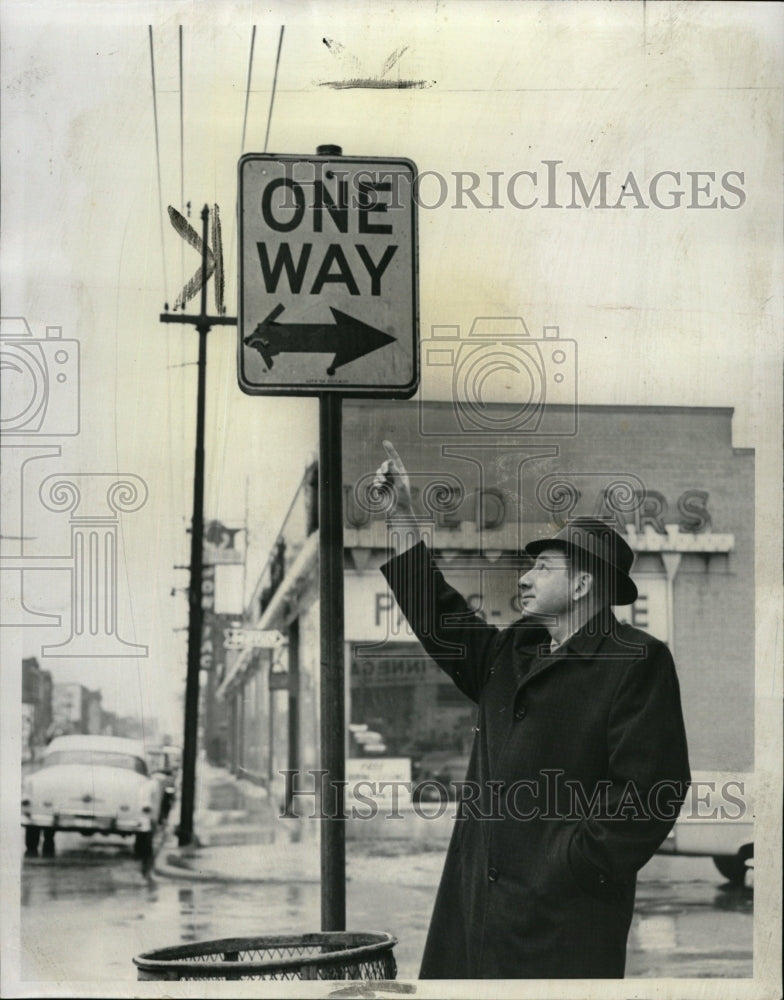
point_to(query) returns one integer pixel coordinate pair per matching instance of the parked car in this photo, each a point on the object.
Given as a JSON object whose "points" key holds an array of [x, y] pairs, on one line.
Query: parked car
{"points": [[91, 784], [717, 821]]}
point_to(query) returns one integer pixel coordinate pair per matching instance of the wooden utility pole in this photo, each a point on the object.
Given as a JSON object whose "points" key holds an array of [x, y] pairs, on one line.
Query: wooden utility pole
{"points": [[203, 323]]}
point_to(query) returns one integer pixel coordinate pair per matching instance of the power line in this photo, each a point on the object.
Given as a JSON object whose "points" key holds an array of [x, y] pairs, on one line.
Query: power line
{"points": [[244, 127], [247, 89], [182, 136], [158, 161], [161, 214], [274, 87]]}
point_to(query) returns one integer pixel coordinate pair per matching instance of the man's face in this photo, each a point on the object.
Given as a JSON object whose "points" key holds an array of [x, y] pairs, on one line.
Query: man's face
{"points": [[546, 588]]}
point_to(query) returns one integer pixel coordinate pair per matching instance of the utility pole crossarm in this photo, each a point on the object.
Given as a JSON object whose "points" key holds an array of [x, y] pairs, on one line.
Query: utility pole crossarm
{"points": [[198, 321]]}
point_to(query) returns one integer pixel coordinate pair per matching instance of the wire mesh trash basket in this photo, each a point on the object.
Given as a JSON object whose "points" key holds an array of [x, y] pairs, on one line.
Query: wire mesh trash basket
{"points": [[323, 955]]}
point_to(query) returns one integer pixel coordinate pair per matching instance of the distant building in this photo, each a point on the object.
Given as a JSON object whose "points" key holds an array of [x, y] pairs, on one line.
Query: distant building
{"points": [[213, 713], [36, 707], [69, 708], [93, 721], [271, 695], [109, 724], [133, 729]]}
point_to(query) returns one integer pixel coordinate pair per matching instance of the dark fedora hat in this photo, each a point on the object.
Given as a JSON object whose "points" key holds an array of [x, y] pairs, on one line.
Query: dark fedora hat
{"points": [[600, 549]]}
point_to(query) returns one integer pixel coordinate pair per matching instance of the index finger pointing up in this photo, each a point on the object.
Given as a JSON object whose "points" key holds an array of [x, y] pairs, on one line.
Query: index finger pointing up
{"points": [[389, 448]]}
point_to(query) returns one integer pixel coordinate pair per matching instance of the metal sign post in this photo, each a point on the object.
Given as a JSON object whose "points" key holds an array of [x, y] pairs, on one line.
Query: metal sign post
{"points": [[333, 712], [328, 307]]}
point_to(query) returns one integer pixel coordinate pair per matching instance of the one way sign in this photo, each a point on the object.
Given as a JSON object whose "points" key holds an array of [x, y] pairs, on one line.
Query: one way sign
{"points": [[328, 276]]}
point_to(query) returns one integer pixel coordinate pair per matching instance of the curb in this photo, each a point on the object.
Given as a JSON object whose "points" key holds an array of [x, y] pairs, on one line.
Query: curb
{"points": [[184, 871], [205, 875]]}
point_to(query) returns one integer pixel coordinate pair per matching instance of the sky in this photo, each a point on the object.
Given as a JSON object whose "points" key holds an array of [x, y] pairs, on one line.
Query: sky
{"points": [[671, 298]]}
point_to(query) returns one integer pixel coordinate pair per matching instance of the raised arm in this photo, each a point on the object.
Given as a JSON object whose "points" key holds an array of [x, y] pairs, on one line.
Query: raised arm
{"points": [[459, 641], [392, 474]]}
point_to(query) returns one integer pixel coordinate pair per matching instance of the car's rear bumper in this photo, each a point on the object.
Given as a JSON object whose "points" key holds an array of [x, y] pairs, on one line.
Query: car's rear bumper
{"points": [[708, 837], [83, 822]]}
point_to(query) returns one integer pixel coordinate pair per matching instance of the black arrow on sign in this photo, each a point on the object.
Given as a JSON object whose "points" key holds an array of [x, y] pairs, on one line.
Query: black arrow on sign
{"points": [[347, 337]]}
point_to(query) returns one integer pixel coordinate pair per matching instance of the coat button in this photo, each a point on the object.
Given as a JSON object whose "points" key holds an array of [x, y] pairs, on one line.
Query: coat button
{"points": [[520, 712], [492, 874]]}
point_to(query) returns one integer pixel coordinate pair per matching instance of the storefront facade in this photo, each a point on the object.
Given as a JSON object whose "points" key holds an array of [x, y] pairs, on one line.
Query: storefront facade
{"points": [[670, 479]]}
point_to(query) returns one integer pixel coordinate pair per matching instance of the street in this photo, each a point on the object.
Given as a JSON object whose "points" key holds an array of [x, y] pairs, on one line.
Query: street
{"points": [[89, 910]]}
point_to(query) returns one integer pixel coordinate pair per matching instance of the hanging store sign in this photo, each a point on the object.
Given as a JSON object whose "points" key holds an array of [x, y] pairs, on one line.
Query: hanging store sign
{"points": [[252, 638]]}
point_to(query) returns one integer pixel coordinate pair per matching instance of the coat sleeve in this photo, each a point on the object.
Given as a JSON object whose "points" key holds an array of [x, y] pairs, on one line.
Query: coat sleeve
{"points": [[459, 641], [648, 776]]}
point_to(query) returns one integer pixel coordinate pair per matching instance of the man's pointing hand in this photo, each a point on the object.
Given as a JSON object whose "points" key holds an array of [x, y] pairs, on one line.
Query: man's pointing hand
{"points": [[393, 473]]}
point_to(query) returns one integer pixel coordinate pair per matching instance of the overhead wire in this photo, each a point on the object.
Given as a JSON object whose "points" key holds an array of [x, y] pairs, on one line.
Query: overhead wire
{"points": [[247, 89], [169, 365], [182, 134], [274, 87], [121, 561], [176, 427], [247, 105], [183, 204], [217, 248], [158, 160], [248, 85], [248, 82]]}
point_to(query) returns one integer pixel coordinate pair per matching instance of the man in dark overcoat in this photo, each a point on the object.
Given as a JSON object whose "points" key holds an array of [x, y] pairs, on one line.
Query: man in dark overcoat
{"points": [[579, 763]]}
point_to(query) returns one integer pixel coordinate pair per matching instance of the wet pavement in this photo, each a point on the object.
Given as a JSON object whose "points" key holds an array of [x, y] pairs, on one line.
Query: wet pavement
{"points": [[88, 911], [690, 922]]}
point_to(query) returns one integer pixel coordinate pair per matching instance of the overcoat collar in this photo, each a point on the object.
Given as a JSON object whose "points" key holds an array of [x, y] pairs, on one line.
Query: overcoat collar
{"points": [[532, 642]]}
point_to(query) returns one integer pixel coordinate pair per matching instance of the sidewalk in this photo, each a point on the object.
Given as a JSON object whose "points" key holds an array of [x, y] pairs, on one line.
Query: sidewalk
{"points": [[238, 837], [241, 838]]}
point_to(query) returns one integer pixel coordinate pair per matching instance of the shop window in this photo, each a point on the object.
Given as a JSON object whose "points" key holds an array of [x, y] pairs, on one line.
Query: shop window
{"points": [[404, 701], [447, 695]]}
